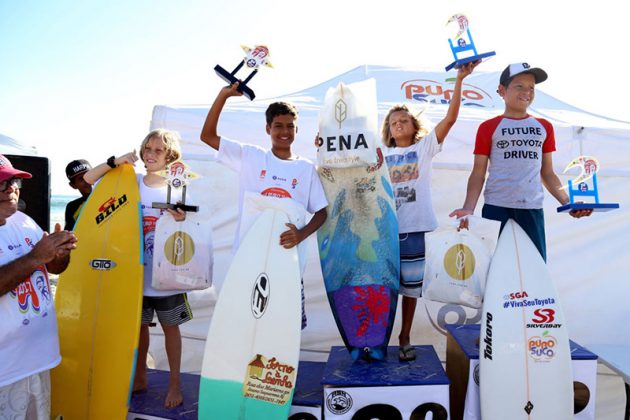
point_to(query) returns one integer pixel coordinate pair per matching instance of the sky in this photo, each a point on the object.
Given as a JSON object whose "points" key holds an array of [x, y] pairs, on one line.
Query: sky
{"points": [[79, 79]]}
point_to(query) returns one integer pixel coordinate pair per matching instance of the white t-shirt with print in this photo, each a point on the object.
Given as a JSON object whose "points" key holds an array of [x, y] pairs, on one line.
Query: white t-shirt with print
{"points": [[410, 173], [28, 324], [150, 216], [260, 171]]}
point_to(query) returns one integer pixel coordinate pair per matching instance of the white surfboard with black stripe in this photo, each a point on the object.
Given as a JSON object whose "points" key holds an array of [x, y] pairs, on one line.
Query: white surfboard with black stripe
{"points": [[252, 350], [524, 355]]}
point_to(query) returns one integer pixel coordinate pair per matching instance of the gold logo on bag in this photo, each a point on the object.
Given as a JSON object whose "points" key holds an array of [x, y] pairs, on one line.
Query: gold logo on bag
{"points": [[459, 262], [341, 111], [179, 248]]}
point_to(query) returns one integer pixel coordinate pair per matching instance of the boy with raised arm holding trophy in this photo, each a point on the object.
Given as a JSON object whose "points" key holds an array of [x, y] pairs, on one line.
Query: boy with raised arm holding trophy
{"points": [[277, 172]]}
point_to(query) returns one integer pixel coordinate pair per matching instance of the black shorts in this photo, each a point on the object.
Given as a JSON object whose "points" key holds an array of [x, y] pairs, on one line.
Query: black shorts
{"points": [[171, 310]]}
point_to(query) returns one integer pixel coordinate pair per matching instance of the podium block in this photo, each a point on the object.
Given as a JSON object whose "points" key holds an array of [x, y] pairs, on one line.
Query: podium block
{"points": [[462, 368], [308, 395], [387, 389], [149, 405]]}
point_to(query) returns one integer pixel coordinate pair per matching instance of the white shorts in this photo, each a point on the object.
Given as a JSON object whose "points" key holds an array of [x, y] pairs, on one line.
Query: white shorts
{"points": [[27, 399]]}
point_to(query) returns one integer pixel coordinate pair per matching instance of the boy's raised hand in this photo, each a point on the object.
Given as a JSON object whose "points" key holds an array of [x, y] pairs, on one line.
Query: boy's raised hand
{"points": [[467, 69], [231, 90], [131, 158]]}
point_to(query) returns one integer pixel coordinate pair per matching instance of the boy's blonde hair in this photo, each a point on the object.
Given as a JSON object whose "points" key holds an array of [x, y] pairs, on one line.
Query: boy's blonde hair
{"points": [[420, 123], [169, 138]]}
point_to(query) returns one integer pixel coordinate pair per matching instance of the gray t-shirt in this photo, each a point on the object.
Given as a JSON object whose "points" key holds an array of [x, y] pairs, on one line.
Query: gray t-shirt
{"points": [[515, 148]]}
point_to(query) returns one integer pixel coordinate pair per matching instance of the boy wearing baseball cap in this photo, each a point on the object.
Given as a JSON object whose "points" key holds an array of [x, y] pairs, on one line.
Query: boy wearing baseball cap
{"points": [[515, 149], [75, 171]]}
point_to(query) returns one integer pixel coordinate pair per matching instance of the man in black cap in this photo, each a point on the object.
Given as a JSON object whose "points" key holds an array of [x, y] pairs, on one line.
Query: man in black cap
{"points": [[74, 172]]}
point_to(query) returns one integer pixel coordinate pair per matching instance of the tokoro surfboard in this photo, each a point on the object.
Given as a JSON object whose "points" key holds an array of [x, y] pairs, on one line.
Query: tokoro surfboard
{"points": [[98, 302], [359, 256], [524, 355], [252, 351]]}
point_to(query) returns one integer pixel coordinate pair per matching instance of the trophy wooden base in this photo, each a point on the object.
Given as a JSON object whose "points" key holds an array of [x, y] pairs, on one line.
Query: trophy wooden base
{"points": [[598, 207], [230, 78], [460, 62], [184, 207]]}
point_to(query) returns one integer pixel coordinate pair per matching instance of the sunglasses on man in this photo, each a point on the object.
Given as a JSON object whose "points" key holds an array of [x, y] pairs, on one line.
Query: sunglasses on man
{"points": [[16, 182]]}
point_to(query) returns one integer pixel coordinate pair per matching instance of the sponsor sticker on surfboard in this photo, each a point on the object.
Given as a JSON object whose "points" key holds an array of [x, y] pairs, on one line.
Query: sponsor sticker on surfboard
{"points": [[269, 380], [102, 264]]}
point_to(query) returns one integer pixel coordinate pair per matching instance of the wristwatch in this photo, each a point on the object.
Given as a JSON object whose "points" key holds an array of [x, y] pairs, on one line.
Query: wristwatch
{"points": [[111, 161]]}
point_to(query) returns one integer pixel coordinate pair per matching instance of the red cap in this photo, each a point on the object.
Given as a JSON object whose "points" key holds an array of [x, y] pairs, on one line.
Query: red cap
{"points": [[7, 170]]}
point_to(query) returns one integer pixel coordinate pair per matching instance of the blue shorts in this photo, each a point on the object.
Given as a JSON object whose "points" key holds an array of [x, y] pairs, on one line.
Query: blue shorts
{"points": [[531, 220], [411, 263]]}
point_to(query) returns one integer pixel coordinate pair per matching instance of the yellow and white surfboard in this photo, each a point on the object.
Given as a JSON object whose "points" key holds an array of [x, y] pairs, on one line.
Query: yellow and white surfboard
{"points": [[98, 302]]}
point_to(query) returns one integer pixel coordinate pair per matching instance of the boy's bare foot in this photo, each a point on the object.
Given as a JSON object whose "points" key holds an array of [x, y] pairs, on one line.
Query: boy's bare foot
{"points": [[174, 397], [140, 384]]}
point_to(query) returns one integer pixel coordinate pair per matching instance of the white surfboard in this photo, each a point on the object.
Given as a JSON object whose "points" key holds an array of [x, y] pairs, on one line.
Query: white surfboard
{"points": [[252, 350], [524, 355]]}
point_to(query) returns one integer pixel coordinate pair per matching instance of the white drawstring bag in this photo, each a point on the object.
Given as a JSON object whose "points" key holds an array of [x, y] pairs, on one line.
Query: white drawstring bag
{"points": [[348, 129], [183, 253], [457, 262]]}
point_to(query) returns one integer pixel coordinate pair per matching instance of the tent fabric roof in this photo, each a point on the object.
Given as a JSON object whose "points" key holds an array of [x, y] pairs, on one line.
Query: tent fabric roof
{"points": [[577, 132], [9, 146]]}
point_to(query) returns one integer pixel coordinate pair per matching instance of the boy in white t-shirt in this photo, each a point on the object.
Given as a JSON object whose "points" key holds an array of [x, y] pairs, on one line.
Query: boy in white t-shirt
{"points": [[158, 149], [409, 150], [515, 149], [276, 172]]}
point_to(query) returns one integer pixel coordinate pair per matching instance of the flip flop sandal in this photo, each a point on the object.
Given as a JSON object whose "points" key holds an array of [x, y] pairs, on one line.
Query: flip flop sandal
{"points": [[406, 353]]}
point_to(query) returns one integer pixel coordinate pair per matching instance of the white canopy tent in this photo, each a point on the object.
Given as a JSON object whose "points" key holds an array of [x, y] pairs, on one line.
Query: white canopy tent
{"points": [[9, 146], [587, 257]]}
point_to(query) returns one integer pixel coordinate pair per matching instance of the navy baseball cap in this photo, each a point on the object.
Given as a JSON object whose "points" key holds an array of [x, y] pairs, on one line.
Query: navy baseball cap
{"points": [[77, 167]]}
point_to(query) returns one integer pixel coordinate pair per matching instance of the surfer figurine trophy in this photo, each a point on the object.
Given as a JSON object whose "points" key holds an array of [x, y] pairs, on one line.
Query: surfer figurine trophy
{"points": [[461, 46], [254, 58], [177, 176], [585, 185]]}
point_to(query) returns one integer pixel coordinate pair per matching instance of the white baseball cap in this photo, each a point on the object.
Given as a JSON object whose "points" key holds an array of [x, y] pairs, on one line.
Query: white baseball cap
{"points": [[517, 68]]}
